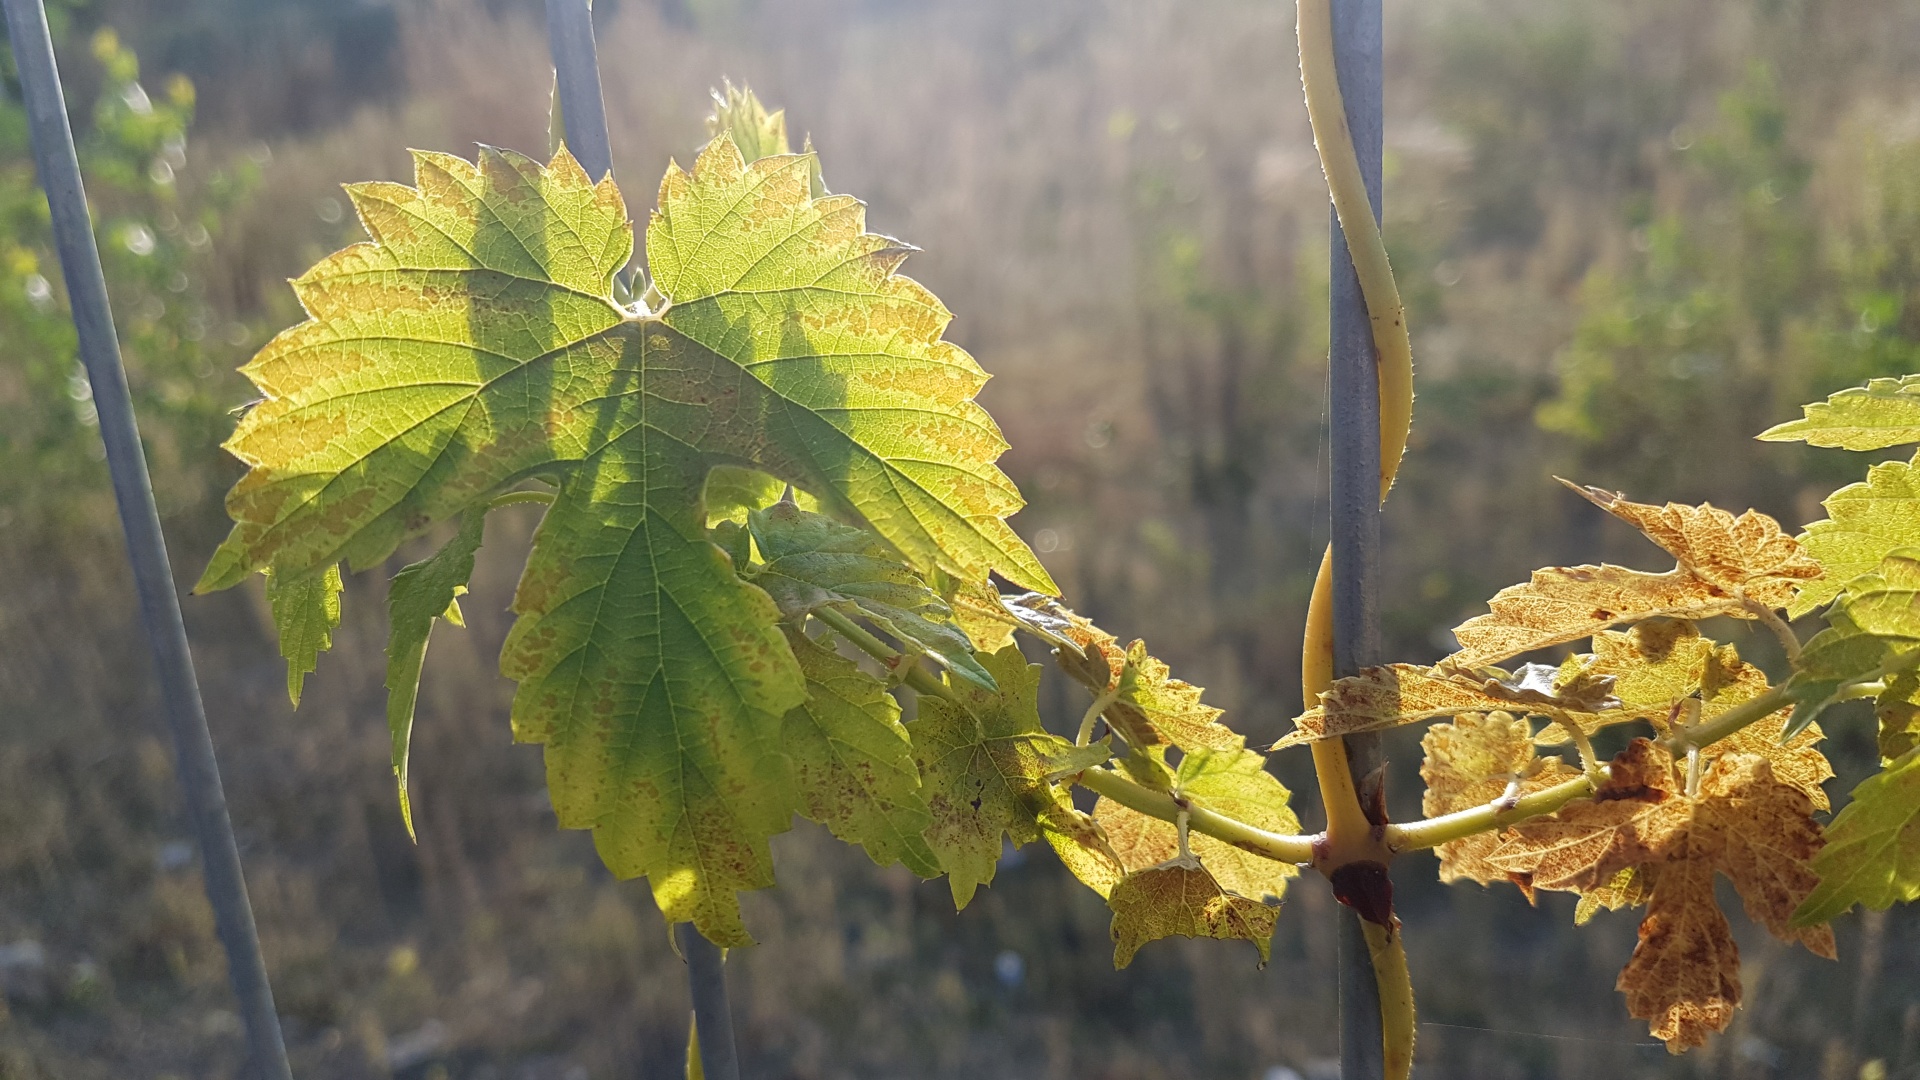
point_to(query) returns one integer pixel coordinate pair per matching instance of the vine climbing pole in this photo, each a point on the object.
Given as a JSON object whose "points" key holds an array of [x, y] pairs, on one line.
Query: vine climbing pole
{"points": [[199, 772], [1371, 381], [580, 117]]}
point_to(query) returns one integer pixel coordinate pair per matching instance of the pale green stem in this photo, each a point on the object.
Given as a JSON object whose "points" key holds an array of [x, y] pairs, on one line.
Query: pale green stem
{"points": [[1162, 805], [1747, 712], [1418, 835], [1092, 716]]}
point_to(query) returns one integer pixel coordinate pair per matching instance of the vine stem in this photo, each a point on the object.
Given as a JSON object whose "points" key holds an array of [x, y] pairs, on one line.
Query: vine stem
{"points": [[1159, 804], [198, 770]]}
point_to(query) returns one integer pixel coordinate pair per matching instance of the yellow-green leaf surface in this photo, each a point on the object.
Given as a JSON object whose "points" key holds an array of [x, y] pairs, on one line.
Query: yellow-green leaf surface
{"points": [[1874, 624], [421, 593], [1883, 413], [1235, 783], [852, 762], [813, 561], [476, 340], [1181, 899], [306, 611], [1872, 855], [983, 765], [1864, 522]]}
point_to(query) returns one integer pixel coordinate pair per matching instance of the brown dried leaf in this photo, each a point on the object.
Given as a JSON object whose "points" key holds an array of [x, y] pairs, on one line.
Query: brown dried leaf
{"points": [[1566, 603], [1471, 762], [1583, 845], [1684, 977], [1744, 823], [1180, 898], [1746, 554], [1798, 763], [1392, 695]]}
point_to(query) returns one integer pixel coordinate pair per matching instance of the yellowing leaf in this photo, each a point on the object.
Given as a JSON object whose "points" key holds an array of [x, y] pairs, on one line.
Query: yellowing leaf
{"points": [[1083, 846], [853, 765], [1566, 603], [983, 769], [1883, 413], [1875, 622], [1146, 706], [813, 561], [306, 611], [1748, 554], [1872, 855], [421, 593], [1760, 833], [1396, 694], [1181, 899], [1628, 888], [978, 612], [1898, 711], [1684, 976], [1230, 782], [1473, 761], [1797, 762], [1865, 523]]}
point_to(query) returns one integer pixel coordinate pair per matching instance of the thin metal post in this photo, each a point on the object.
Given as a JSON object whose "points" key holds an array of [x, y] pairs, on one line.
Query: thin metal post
{"points": [[206, 804], [712, 1019], [1356, 498], [576, 69]]}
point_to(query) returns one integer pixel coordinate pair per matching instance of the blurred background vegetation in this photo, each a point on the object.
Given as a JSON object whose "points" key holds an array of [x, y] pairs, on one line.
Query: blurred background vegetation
{"points": [[1632, 233]]}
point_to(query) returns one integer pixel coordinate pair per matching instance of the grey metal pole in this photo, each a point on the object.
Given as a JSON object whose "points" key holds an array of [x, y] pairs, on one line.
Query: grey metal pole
{"points": [[713, 1020], [200, 787], [576, 69], [1355, 390]]}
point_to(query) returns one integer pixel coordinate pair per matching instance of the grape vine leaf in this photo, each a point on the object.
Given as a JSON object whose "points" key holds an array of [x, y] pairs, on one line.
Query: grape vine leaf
{"points": [[1865, 523], [1559, 604], [853, 764], [978, 611], [1180, 898], [1395, 694], [813, 562], [1474, 760], [1872, 855], [420, 594], [733, 491], [306, 611], [476, 340], [1654, 666], [983, 763], [738, 113], [1628, 888], [1235, 783], [1796, 760], [1873, 626], [1883, 413], [1757, 831], [1748, 554], [1144, 703], [1083, 846], [1897, 709]]}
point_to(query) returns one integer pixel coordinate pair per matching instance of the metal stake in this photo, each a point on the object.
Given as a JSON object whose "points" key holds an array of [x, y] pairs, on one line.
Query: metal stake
{"points": [[576, 69], [200, 788], [1355, 392]]}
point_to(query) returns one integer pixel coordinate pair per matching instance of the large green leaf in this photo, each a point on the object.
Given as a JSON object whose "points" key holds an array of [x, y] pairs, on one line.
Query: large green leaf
{"points": [[477, 341], [1864, 522], [1883, 413], [420, 594], [1872, 855], [306, 612], [852, 761], [985, 761], [813, 562]]}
